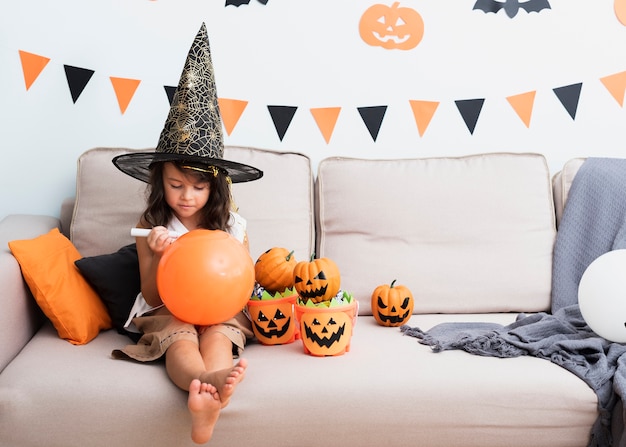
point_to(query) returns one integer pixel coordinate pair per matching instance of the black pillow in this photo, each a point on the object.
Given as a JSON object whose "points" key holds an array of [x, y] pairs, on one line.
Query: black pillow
{"points": [[115, 278]]}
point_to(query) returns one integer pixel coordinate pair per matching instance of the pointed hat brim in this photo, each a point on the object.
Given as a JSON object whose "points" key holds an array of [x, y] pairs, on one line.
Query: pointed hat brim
{"points": [[193, 129], [138, 165]]}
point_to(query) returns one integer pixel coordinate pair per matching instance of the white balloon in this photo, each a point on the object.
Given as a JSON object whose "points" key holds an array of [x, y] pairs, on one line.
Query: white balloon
{"points": [[602, 296]]}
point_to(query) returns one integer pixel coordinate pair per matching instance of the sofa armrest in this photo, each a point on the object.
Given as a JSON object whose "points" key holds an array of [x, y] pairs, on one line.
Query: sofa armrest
{"points": [[20, 317]]}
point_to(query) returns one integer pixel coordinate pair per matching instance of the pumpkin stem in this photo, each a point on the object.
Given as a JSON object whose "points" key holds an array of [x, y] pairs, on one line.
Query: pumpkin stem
{"points": [[312, 257], [392, 283], [289, 256]]}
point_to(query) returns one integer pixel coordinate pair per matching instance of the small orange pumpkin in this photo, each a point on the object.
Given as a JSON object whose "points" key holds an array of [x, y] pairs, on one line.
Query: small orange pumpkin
{"points": [[391, 27], [317, 280], [392, 305], [274, 269]]}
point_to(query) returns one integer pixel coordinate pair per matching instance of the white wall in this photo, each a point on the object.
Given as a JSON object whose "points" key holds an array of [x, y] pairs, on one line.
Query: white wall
{"points": [[306, 54]]}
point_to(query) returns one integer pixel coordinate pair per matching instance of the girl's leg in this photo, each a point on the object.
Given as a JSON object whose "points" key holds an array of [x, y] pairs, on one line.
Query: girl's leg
{"points": [[184, 363], [216, 351], [204, 406], [185, 366]]}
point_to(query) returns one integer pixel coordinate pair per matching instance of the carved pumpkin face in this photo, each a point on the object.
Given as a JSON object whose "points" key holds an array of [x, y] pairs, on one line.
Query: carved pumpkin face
{"points": [[391, 27], [274, 269], [392, 305], [326, 333], [273, 320], [318, 280]]}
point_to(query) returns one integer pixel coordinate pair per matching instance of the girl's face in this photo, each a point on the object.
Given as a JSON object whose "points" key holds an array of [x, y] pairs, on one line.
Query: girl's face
{"points": [[184, 194]]}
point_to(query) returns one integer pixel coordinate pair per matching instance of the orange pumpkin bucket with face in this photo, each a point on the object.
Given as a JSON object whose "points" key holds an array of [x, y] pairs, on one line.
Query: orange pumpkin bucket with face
{"points": [[273, 321], [326, 331]]}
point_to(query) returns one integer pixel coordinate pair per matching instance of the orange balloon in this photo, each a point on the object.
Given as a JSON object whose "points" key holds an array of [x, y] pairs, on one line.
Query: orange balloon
{"points": [[205, 277]]}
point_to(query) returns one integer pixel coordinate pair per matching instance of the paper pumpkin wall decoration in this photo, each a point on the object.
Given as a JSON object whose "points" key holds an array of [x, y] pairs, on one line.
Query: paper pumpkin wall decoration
{"points": [[274, 269], [317, 280], [392, 305], [391, 27], [620, 10]]}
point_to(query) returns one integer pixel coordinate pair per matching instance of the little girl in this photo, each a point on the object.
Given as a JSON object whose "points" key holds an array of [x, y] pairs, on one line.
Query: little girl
{"points": [[189, 188], [184, 196]]}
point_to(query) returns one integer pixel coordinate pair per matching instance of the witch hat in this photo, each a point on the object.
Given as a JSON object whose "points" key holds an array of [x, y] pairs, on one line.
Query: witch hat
{"points": [[193, 129]]}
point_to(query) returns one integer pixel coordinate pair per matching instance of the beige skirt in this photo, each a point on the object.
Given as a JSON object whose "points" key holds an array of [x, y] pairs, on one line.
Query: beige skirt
{"points": [[162, 329]]}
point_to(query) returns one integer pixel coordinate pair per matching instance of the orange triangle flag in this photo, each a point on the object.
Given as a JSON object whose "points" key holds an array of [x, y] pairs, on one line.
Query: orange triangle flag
{"points": [[231, 110], [32, 65], [616, 85], [523, 105], [124, 90], [423, 112], [326, 118]]}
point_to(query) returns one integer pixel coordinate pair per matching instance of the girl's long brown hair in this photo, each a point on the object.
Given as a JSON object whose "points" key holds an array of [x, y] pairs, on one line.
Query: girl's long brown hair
{"points": [[216, 212]]}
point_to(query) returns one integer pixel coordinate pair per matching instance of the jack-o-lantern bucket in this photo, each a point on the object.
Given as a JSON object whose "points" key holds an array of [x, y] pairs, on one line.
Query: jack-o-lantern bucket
{"points": [[326, 331], [273, 320]]}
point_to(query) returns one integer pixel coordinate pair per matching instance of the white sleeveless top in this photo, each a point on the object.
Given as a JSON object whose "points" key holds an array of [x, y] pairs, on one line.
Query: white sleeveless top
{"points": [[141, 307]]}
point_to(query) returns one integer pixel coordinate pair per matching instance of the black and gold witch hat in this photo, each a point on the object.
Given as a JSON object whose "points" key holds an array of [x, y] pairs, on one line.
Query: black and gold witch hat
{"points": [[193, 130]]}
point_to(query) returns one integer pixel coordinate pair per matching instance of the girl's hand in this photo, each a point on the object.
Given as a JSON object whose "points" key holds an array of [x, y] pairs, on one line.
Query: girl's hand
{"points": [[159, 239]]}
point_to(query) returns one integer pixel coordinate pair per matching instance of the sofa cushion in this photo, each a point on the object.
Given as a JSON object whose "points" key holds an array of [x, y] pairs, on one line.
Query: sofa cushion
{"points": [[388, 390], [465, 234], [109, 203], [561, 184], [115, 277], [64, 296]]}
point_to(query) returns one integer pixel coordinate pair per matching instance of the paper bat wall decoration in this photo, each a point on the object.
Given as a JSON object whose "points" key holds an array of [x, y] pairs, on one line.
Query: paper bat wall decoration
{"points": [[243, 2], [511, 7]]}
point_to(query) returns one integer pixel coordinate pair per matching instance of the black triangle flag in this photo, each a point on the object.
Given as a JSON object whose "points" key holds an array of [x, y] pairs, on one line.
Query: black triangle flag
{"points": [[373, 118], [569, 96], [170, 91], [77, 79], [470, 111], [282, 116]]}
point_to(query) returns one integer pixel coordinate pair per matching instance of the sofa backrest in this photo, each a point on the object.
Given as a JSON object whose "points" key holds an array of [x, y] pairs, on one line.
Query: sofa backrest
{"points": [[466, 234], [278, 207], [561, 184]]}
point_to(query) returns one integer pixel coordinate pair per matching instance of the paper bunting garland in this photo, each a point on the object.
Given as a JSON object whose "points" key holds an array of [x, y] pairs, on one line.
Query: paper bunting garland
{"points": [[231, 110], [569, 96], [282, 116], [523, 105], [470, 111], [423, 112], [32, 65], [616, 85], [373, 118], [170, 91], [124, 90], [325, 117], [77, 79]]}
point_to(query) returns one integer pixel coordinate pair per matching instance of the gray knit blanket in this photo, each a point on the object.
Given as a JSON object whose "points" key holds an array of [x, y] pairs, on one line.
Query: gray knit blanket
{"points": [[593, 223]]}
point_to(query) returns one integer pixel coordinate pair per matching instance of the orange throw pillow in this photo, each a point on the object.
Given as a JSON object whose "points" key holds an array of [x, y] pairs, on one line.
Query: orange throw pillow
{"points": [[62, 293]]}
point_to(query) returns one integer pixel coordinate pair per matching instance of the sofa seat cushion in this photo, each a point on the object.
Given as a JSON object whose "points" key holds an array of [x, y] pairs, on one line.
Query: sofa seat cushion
{"points": [[466, 234], [387, 390]]}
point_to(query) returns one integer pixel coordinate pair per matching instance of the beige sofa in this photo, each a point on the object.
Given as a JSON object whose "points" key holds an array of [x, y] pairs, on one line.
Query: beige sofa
{"points": [[472, 237]]}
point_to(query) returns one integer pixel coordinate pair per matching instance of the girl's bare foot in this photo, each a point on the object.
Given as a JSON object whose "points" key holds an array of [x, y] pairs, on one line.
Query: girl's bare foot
{"points": [[225, 380], [204, 405]]}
